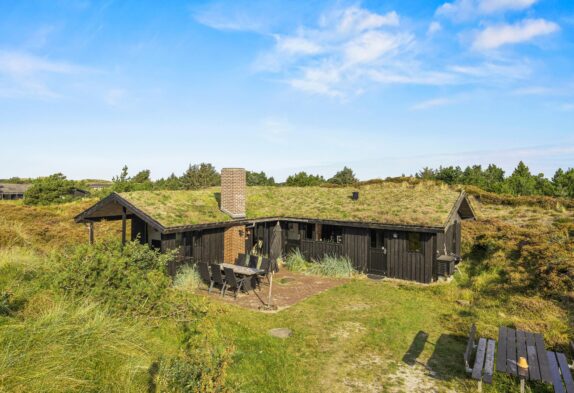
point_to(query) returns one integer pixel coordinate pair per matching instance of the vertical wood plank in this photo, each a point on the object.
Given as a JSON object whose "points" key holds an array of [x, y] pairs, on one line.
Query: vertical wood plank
{"points": [[123, 225], [501, 356]]}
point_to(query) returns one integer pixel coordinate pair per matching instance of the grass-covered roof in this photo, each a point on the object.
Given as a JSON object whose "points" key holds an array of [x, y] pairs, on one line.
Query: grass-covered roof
{"points": [[386, 203]]}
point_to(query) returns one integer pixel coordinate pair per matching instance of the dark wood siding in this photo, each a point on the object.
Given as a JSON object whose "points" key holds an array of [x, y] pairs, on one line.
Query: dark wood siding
{"points": [[416, 266], [212, 245], [356, 246], [139, 227], [316, 250], [168, 242]]}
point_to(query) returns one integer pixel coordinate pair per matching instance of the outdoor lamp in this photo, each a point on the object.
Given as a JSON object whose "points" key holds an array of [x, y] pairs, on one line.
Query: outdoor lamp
{"points": [[522, 371]]}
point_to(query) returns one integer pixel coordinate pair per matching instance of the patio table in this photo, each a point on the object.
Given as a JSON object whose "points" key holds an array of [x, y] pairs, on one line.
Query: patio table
{"points": [[514, 344], [243, 270]]}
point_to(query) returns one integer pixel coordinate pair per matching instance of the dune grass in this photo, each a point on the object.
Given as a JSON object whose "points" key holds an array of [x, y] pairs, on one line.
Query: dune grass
{"points": [[328, 266], [66, 347]]}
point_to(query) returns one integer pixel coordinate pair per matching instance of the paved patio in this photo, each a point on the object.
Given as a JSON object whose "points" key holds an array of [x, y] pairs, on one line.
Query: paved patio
{"points": [[288, 288]]}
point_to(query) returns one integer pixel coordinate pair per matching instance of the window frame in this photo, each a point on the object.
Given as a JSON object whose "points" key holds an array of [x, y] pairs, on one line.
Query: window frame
{"points": [[417, 239]]}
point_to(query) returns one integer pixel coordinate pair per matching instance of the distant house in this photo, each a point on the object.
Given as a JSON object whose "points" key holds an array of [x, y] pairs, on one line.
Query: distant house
{"points": [[99, 186], [395, 230], [9, 191]]}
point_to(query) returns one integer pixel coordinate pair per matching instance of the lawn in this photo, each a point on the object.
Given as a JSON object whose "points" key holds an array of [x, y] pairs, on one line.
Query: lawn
{"points": [[361, 336]]}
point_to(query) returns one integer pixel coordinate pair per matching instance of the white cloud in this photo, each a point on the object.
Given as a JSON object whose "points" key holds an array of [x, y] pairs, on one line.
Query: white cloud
{"points": [[461, 10], [433, 103], [297, 45], [493, 37], [434, 27], [355, 19], [371, 45], [490, 70], [25, 74], [491, 6], [338, 56], [16, 63]]}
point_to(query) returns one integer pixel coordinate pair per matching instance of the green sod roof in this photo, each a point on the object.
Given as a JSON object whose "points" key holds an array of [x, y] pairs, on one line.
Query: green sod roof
{"points": [[386, 203]]}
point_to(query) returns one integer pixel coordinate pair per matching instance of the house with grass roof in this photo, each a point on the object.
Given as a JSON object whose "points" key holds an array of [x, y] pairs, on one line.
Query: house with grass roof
{"points": [[397, 230]]}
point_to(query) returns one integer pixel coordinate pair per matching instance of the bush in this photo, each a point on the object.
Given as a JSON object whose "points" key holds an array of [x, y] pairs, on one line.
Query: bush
{"points": [[328, 266], [201, 364], [52, 189], [529, 259], [131, 278]]}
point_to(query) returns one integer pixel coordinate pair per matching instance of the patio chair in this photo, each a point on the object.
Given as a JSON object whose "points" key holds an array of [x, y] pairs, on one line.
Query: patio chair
{"points": [[218, 277], [233, 282], [265, 264], [253, 261], [240, 260], [205, 275]]}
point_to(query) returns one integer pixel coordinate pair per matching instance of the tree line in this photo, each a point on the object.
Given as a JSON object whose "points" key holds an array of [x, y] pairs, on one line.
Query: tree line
{"points": [[57, 188], [492, 178]]}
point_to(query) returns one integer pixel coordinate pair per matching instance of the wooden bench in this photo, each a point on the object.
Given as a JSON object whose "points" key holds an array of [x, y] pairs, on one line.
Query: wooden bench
{"points": [[560, 372], [483, 365]]}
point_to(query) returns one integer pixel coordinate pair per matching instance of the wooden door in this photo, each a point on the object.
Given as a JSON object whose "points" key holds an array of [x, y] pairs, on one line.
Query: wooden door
{"points": [[378, 253]]}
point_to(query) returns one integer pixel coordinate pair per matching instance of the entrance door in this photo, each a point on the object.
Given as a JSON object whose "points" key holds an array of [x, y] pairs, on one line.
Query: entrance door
{"points": [[377, 253]]}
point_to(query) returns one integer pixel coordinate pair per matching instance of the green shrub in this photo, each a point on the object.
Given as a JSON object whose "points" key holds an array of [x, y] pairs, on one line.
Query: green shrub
{"points": [[128, 278], [201, 364], [62, 347], [51, 189]]}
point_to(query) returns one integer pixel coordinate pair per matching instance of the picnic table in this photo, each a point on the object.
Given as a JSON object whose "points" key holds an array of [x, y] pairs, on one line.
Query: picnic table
{"points": [[242, 270], [514, 344]]}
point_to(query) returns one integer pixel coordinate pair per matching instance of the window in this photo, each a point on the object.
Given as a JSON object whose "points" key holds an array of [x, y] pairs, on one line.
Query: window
{"points": [[293, 231], [332, 233], [308, 229], [414, 242], [377, 239]]}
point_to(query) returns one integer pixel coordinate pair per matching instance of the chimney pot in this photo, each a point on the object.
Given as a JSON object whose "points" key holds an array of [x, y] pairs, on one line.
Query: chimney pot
{"points": [[233, 192]]}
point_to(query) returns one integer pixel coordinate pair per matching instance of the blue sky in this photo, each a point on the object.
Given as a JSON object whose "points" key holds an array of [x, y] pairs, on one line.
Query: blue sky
{"points": [[385, 87]]}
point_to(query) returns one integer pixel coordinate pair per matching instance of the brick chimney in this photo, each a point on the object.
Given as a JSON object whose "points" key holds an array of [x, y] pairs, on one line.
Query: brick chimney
{"points": [[233, 192]]}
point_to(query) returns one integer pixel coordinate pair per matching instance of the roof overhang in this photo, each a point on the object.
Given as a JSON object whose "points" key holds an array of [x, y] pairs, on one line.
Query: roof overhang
{"points": [[111, 208], [463, 207]]}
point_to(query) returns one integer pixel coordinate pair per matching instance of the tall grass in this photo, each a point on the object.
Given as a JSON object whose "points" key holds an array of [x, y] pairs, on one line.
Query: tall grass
{"points": [[66, 347], [188, 278], [328, 266]]}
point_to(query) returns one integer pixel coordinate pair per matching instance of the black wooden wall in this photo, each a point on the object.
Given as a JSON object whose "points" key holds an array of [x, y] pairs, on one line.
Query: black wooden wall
{"points": [[212, 245], [406, 265], [139, 227], [356, 243]]}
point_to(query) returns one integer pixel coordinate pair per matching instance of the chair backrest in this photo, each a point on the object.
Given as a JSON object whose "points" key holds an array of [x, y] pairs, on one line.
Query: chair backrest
{"points": [[253, 260], [204, 271], [216, 274], [265, 265], [230, 277], [240, 260]]}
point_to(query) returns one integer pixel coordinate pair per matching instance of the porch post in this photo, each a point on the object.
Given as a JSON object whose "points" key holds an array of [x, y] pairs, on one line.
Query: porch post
{"points": [[91, 232], [123, 226]]}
